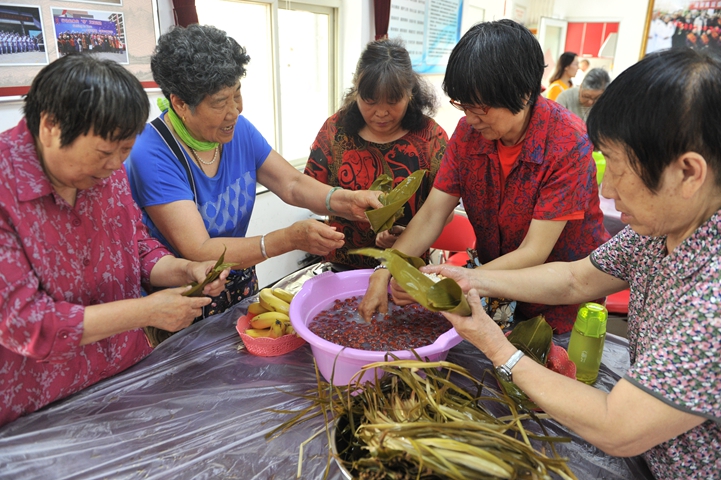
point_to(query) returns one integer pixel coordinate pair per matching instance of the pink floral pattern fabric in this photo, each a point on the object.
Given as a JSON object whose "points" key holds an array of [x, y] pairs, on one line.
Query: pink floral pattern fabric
{"points": [[348, 161], [54, 259], [674, 334], [554, 176]]}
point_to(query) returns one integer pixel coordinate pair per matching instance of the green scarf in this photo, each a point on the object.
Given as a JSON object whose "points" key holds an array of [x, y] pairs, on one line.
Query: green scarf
{"points": [[182, 132]]}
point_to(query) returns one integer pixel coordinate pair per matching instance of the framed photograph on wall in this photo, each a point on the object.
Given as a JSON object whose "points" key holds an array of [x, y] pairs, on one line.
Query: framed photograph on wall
{"points": [[682, 23], [101, 33], [21, 36], [124, 30]]}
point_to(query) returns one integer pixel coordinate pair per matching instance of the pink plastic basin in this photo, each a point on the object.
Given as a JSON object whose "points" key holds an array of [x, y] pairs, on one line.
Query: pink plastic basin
{"points": [[335, 361]]}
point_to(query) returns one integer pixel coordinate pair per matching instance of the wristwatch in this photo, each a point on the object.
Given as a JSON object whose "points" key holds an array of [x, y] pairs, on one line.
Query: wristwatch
{"points": [[504, 371]]}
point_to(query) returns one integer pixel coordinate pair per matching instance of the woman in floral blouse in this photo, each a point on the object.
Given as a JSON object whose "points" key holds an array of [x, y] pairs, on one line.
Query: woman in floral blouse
{"points": [[663, 170], [73, 249], [382, 127]]}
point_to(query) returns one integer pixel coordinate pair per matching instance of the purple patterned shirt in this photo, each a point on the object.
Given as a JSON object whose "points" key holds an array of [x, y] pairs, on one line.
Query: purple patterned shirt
{"points": [[54, 259], [674, 334]]}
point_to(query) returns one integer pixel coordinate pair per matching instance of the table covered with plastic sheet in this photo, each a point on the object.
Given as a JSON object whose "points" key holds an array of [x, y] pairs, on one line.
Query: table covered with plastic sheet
{"points": [[198, 408]]}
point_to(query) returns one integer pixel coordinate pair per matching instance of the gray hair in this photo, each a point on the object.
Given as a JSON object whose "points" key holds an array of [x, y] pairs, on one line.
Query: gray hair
{"points": [[596, 79], [196, 61]]}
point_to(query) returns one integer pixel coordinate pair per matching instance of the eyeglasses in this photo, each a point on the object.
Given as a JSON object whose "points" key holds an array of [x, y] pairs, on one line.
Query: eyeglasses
{"points": [[474, 109], [588, 97]]}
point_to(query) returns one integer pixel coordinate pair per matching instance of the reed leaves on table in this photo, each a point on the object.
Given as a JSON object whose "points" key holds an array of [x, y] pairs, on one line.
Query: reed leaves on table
{"points": [[416, 422]]}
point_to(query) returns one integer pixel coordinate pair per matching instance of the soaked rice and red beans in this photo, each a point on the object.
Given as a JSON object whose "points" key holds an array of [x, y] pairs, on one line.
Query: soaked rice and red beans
{"points": [[410, 326]]}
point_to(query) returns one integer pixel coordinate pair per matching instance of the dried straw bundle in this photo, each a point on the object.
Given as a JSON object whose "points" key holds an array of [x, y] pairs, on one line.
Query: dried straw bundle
{"points": [[416, 423]]}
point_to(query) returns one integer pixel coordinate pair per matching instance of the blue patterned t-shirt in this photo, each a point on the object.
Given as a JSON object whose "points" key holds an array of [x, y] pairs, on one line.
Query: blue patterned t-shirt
{"points": [[674, 333], [225, 201]]}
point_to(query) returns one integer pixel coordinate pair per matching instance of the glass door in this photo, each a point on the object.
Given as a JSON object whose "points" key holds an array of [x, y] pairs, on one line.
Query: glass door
{"points": [[552, 37]]}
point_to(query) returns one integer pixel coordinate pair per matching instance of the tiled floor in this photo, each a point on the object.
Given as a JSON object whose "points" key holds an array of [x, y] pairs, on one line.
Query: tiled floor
{"points": [[617, 325]]}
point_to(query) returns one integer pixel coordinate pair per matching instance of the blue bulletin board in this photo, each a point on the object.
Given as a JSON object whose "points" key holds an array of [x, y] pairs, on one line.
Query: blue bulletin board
{"points": [[429, 28]]}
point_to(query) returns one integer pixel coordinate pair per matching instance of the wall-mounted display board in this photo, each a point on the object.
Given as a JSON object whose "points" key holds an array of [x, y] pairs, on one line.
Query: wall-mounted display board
{"points": [[33, 33], [429, 28]]}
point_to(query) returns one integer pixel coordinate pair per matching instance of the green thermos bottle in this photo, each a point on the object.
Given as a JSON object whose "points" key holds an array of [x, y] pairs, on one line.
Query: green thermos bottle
{"points": [[585, 347]]}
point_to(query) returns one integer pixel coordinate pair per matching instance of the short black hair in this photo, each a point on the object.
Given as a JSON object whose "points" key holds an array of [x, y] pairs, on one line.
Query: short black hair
{"points": [[667, 104], [82, 92], [385, 72], [196, 61], [498, 64]]}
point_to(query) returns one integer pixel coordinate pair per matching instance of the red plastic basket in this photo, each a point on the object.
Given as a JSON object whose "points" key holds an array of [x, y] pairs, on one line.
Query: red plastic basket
{"points": [[264, 346]]}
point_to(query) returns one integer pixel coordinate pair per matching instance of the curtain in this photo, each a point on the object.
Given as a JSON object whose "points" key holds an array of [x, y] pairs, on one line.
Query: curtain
{"points": [[185, 13], [382, 13]]}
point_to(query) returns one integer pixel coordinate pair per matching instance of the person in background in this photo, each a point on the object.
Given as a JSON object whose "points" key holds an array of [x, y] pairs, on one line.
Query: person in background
{"points": [[562, 78], [521, 164], [383, 127], [579, 100], [73, 249], [199, 201], [663, 171], [583, 66]]}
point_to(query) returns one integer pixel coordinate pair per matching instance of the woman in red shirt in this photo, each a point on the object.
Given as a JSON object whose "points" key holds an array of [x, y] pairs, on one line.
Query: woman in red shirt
{"points": [[521, 164]]}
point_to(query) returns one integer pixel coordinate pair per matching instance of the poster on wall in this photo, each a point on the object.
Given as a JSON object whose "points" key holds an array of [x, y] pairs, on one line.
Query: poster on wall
{"points": [[100, 32], [21, 36], [682, 23], [429, 28]]}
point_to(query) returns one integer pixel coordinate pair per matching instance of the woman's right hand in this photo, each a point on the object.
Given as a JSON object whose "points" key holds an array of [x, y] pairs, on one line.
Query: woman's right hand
{"points": [[170, 310], [376, 296], [466, 278], [314, 237]]}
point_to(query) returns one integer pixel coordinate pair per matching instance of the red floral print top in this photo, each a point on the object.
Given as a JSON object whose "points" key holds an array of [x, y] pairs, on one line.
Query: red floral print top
{"points": [[348, 161], [54, 259], [554, 176]]}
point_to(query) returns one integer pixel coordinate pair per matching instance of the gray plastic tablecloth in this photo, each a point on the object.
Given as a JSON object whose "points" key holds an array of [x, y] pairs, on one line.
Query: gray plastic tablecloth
{"points": [[196, 408]]}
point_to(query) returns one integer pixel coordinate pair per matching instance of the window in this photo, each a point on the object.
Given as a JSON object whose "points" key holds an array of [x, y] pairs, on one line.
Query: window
{"points": [[290, 88]]}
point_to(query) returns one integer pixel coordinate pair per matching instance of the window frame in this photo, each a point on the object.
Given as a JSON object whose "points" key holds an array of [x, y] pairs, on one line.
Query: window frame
{"points": [[327, 7]]}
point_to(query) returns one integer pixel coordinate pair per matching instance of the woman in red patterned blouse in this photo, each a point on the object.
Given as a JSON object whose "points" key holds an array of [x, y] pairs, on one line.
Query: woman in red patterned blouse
{"points": [[383, 127], [521, 164], [73, 248]]}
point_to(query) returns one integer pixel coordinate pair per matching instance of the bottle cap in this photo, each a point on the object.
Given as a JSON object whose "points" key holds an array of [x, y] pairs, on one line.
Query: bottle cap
{"points": [[591, 319]]}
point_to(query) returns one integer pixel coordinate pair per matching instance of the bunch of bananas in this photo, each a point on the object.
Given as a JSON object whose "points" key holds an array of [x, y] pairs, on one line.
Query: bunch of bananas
{"points": [[270, 314]]}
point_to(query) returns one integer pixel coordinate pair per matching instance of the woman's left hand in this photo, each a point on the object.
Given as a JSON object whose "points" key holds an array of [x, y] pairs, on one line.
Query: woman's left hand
{"points": [[199, 270], [387, 238], [479, 328]]}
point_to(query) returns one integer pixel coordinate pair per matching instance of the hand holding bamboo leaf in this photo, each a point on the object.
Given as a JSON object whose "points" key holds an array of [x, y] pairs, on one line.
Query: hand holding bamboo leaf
{"points": [[444, 295], [213, 274], [382, 219]]}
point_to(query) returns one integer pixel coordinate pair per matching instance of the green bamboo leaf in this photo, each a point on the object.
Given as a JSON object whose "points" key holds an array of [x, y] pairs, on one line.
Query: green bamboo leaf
{"points": [[533, 337], [393, 201], [384, 183], [214, 273]]}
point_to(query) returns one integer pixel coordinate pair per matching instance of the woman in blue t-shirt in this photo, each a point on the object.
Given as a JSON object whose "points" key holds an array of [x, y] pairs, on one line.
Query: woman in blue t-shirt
{"points": [[194, 169]]}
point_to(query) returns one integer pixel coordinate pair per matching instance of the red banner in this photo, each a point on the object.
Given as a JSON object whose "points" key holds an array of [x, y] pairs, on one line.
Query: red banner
{"points": [[705, 5]]}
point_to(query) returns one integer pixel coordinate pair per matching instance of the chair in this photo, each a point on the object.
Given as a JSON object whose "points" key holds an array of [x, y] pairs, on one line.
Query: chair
{"points": [[455, 238], [618, 302]]}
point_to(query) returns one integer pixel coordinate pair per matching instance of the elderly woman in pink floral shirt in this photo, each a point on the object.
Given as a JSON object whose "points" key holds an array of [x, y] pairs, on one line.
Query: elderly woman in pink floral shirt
{"points": [[73, 248], [659, 127]]}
